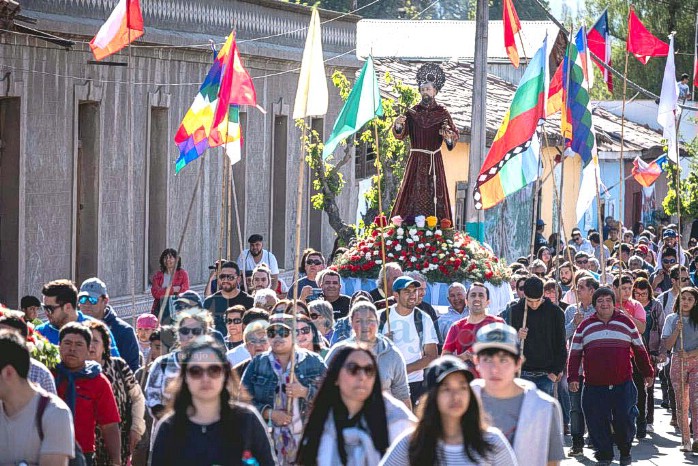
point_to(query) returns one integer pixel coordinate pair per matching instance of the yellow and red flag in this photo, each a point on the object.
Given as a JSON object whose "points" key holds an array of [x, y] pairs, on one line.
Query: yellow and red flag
{"points": [[511, 27]]}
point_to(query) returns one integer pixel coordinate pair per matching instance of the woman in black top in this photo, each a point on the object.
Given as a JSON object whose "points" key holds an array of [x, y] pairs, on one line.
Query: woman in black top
{"points": [[206, 427]]}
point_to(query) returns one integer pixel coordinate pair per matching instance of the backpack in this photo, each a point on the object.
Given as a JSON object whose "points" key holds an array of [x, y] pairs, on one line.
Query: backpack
{"points": [[44, 399], [419, 325]]}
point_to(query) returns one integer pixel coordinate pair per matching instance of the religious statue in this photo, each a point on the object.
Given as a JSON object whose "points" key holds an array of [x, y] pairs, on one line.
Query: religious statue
{"points": [[423, 190]]}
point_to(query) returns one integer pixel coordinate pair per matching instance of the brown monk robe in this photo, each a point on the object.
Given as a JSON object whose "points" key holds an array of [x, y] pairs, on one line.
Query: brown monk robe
{"points": [[426, 124]]}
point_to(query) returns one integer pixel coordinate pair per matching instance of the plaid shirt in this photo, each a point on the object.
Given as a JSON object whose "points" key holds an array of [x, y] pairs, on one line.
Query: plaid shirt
{"points": [[41, 376]]}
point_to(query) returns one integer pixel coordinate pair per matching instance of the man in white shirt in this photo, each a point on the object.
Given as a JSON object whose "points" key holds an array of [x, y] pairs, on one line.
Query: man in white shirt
{"points": [[255, 255], [412, 331]]}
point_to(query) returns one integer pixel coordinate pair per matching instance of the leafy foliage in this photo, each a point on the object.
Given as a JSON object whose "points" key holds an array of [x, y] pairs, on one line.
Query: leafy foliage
{"points": [[688, 188]]}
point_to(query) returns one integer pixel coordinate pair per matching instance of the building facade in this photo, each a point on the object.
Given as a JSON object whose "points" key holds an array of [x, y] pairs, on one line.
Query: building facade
{"points": [[78, 137]]}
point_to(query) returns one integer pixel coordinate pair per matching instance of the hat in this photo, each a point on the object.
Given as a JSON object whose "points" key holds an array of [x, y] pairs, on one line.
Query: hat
{"points": [[669, 233], [93, 287], [403, 282], [643, 239], [29, 301], [643, 248], [444, 366], [540, 223], [187, 300], [253, 327], [147, 321], [579, 254], [281, 320], [497, 335], [533, 287], [256, 238]]}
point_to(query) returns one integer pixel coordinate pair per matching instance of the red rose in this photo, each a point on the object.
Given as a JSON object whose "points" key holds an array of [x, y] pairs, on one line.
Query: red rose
{"points": [[488, 275], [457, 262], [374, 233], [435, 260]]}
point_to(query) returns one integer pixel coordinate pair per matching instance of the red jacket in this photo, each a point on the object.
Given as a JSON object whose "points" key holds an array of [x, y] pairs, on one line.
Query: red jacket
{"points": [[180, 278]]}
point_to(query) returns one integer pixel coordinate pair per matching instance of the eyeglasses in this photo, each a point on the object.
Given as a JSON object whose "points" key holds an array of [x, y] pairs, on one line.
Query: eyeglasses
{"points": [[281, 332], [196, 331], [88, 299], [237, 321], [50, 309], [668, 261], [257, 341], [313, 262], [353, 369], [314, 316], [213, 371], [227, 277], [303, 331]]}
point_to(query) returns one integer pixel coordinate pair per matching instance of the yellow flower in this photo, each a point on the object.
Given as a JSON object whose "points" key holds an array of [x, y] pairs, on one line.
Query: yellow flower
{"points": [[431, 221]]}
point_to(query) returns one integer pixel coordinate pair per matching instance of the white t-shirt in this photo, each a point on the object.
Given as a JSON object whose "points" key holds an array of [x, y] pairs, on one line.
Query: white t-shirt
{"points": [[247, 260], [19, 435], [406, 338], [237, 355]]}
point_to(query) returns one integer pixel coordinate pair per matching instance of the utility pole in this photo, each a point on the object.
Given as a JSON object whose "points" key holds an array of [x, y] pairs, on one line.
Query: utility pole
{"points": [[478, 128]]}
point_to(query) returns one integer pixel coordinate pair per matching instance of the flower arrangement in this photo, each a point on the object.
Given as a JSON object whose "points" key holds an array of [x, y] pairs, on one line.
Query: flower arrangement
{"points": [[431, 247], [42, 350]]}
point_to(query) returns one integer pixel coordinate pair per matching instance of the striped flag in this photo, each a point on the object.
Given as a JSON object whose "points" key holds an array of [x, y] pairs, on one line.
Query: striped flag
{"points": [[125, 24], [647, 173], [599, 42], [514, 157], [511, 27]]}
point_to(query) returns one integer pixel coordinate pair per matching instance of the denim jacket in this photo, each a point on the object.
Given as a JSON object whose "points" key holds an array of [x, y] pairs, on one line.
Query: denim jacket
{"points": [[260, 380]]}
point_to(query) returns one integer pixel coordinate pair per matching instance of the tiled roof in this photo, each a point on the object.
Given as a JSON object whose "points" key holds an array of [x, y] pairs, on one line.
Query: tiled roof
{"points": [[457, 93]]}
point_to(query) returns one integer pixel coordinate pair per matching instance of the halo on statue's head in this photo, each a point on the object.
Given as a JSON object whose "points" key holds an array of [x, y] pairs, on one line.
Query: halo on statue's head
{"points": [[431, 73]]}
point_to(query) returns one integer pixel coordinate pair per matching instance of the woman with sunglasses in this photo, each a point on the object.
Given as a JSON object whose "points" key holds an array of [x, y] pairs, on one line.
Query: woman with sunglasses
{"points": [[680, 334], [281, 397], [205, 426], [308, 338], [312, 263], [192, 325], [127, 392], [352, 422], [171, 274], [451, 430]]}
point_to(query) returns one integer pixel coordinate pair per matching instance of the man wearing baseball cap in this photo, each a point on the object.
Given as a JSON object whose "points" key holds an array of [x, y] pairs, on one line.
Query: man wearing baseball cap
{"points": [[93, 300], [412, 331], [255, 255], [530, 419]]}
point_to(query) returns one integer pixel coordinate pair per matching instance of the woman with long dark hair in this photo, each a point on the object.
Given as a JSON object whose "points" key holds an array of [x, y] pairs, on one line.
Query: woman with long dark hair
{"points": [[205, 426], [170, 273], [128, 394], [451, 430], [352, 422], [681, 335]]}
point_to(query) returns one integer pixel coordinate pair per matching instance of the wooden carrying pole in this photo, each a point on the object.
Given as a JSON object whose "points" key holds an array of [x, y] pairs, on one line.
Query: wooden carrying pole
{"points": [[381, 228], [621, 176], [239, 230]]}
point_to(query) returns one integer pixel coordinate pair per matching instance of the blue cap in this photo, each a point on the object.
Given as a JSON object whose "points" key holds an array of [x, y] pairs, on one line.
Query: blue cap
{"points": [[403, 282], [540, 222], [498, 336], [669, 233], [93, 287]]}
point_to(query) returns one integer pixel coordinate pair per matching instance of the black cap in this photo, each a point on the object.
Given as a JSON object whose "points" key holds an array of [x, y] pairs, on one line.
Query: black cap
{"points": [[440, 368], [533, 287], [256, 238]]}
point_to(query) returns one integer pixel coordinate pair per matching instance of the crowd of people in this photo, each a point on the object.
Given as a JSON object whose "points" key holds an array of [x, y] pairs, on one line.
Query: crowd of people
{"points": [[260, 373]]}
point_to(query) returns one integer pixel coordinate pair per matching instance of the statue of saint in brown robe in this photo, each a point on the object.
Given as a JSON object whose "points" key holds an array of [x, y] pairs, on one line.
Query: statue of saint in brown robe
{"points": [[423, 190]]}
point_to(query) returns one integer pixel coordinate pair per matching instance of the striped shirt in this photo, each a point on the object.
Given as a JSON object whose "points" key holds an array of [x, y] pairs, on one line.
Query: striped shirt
{"points": [[454, 455], [606, 350]]}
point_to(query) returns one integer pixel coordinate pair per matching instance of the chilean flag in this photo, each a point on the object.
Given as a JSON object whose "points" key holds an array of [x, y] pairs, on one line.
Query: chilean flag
{"points": [[647, 173], [599, 43], [123, 27]]}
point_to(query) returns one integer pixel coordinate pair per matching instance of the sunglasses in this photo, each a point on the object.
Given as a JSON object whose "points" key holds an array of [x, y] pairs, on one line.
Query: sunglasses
{"points": [[281, 332], [668, 261], [313, 262], [214, 371], [353, 369], [684, 279], [196, 331], [49, 309], [258, 341], [583, 261], [303, 331], [575, 237], [315, 316], [236, 321], [88, 299], [228, 277]]}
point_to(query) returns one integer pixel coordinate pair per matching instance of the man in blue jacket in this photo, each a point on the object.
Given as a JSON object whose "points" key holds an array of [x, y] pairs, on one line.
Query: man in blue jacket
{"points": [[94, 301]]}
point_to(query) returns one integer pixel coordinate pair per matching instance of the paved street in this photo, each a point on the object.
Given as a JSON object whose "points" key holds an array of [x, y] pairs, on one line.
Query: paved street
{"points": [[659, 448]]}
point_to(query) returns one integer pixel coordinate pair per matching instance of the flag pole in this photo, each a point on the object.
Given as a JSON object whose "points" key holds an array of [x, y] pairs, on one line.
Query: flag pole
{"points": [[296, 260], [535, 208], [131, 204], [229, 246], [695, 57], [221, 238], [381, 227], [621, 168], [237, 221]]}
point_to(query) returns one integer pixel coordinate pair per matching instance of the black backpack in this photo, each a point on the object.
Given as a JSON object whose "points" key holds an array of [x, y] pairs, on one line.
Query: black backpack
{"points": [[44, 399], [419, 325]]}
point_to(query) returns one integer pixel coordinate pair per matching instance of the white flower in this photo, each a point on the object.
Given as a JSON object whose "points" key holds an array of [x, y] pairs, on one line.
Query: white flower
{"points": [[413, 232], [398, 247], [39, 344], [441, 256], [429, 233], [400, 231], [378, 261], [375, 253], [420, 246], [413, 259], [389, 242], [437, 232], [368, 255], [390, 254], [409, 240], [456, 250]]}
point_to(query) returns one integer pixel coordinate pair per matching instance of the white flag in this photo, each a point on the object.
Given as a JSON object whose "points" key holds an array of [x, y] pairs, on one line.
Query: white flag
{"points": [[668, 103], [312, 95]]}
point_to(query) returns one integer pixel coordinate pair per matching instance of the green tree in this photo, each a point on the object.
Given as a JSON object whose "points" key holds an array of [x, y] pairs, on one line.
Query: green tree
{"points": [[327, 177], [688, 190], [660, 17]]}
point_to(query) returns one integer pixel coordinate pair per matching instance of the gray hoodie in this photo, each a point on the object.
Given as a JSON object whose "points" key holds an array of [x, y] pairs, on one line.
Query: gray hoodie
{"points": [[391, 365]]}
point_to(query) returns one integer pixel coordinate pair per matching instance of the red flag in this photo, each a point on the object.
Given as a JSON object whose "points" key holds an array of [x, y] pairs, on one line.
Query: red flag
{"points": [[511, 27], [599, 42], [641, 42], [124, 25], [695, 68]]}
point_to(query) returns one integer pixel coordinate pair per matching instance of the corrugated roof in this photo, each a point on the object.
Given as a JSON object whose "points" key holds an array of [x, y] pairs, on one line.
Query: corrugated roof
{"points": [[448, 40], [457, 94]]}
